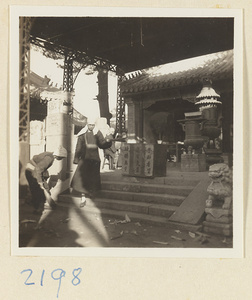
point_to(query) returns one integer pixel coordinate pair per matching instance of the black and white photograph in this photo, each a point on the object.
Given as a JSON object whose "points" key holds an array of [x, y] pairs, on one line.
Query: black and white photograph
{"points": [[127, 134]]}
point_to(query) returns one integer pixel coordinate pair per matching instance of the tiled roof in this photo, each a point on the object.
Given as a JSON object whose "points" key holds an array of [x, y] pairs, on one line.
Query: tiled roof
{"points": [[41, 89], [39, 84], [215, 66]]}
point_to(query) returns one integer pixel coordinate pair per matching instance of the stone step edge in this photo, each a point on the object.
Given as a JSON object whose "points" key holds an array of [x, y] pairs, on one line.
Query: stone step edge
{"points": [[161, 186], [160, 181], [177, 197], [137, 217], [171, 208]]}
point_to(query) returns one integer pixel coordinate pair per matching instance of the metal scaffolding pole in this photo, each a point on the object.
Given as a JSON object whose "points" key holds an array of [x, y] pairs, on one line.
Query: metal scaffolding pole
{"points": [[24, 79], [120, 107], [68, 74], [78, 56]]}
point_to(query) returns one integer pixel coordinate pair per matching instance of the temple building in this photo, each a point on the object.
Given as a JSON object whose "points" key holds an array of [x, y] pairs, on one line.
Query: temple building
{"points": [[168, 91]]}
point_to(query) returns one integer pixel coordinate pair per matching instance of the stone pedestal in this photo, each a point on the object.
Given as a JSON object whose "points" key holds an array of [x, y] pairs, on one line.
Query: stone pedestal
{"points": [[218, 221], [192, 125], [213, 156], [219, 211], [193, 162]]}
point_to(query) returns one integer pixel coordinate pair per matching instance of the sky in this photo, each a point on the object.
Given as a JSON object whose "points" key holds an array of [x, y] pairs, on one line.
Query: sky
{"points": [[86, 88]]}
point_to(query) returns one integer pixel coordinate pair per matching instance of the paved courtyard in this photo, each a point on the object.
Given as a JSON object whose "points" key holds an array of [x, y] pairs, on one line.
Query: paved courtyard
{"points": [[77, 227]]}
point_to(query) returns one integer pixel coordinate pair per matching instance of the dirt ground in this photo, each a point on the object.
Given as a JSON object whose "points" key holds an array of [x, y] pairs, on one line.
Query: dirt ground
{"points": [[77, 227]]}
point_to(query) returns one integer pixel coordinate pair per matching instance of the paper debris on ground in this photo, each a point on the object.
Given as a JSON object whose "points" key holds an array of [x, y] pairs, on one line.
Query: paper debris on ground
{"points": [[177, 238], [161, 243], [192, 235], [117, 236], [203, 234], [177, 231], [138, 224], [202, 237], [127, 220]]}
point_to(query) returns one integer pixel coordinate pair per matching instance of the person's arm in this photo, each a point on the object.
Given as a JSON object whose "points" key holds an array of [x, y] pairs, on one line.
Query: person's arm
{"points": [[79, 150], [104, 142], [41, 166]]}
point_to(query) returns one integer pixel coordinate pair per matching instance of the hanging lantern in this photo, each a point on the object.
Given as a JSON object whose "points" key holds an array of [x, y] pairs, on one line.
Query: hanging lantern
{"points": [[207, 98]]}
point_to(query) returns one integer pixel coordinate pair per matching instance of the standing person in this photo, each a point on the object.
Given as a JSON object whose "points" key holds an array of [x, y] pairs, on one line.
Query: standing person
{"points": [[36, 174], [86, 179], [111, 151]]}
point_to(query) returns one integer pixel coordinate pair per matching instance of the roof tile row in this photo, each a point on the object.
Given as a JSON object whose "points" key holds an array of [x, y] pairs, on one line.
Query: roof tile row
{"points": [[215, 66]]}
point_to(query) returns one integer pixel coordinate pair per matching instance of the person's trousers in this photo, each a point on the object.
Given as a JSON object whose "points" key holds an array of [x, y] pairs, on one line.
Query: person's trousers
{"points": [[38, 196]]}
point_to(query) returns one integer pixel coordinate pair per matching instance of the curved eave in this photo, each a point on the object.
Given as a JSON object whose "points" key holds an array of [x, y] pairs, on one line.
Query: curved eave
{"points": [[219, 66]]}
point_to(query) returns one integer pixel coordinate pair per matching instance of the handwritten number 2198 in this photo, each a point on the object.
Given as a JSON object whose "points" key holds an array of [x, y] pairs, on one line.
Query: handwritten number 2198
{"points": [[56, 274]]}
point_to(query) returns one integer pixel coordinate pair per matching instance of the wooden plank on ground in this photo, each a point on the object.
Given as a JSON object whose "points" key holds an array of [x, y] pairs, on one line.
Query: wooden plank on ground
{"points": [[193, 207]]}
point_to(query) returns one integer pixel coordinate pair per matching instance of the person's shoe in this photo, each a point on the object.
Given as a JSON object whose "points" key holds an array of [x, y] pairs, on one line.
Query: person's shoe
{"points": [[83, 201]]}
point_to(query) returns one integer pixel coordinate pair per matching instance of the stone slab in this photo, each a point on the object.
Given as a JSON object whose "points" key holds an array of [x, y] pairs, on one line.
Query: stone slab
{"points": [[192, 209]]}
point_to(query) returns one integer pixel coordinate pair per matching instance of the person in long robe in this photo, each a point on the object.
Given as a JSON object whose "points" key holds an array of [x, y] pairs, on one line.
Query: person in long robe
{"points": [[86, 179]]}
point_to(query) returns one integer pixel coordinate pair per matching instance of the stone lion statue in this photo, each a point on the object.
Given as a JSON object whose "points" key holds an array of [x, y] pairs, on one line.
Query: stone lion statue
{"points": [[220, 188]]}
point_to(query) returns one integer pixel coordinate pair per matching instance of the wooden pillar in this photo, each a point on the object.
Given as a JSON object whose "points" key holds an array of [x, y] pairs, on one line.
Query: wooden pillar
{"points": [[227, 122], [102, 96]]}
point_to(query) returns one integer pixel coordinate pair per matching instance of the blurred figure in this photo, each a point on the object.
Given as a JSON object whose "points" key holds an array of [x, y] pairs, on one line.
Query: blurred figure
{"points": [[120, 139], [36, 173], [110, 153]]}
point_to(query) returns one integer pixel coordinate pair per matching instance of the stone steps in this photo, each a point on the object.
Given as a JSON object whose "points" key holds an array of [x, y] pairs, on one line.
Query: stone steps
{"points": [[147, 188], [150, 199], [143, 197], [129, 206], [95, 208], [172, 179]]}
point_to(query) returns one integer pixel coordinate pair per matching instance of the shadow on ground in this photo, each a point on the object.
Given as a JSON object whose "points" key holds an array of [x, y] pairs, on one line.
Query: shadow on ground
{"points": [[77, 227]]}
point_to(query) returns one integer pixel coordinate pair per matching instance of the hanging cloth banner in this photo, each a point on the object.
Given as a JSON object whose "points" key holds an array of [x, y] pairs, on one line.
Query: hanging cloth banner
{"points": [[78, 119]]}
